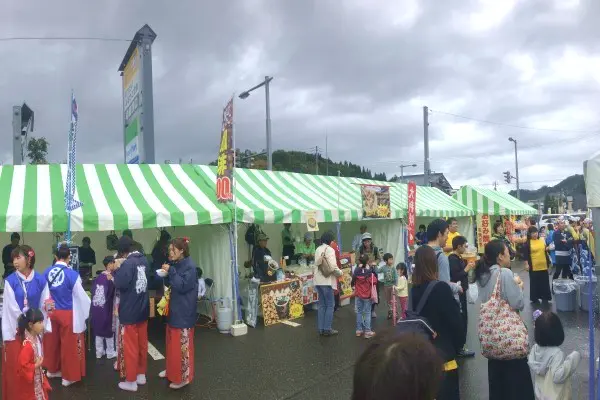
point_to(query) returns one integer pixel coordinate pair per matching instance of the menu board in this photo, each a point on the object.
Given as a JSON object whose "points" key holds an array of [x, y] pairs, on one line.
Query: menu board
{"points": [[483, 232]]}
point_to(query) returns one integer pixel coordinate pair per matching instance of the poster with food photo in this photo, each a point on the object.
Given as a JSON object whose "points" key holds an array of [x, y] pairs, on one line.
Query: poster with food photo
{"points": [[281, 301], [375, 201]]}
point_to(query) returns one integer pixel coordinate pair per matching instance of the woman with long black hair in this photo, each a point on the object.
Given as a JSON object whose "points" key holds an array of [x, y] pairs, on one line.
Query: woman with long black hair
{"points": [[507, 379], [537, 263]]}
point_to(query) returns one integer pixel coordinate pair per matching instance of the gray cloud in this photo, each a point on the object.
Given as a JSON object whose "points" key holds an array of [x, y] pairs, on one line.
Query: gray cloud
{"points": [[358, 74]]}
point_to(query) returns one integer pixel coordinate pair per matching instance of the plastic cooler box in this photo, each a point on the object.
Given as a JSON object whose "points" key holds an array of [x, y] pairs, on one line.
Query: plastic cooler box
{"points": [[565, 294]]}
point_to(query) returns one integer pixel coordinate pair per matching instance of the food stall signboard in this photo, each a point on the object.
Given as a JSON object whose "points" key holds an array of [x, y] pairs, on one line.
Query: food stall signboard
{"points": [[483, 231], [412, 212], [375, 201], [226, 156], [281, 301]]}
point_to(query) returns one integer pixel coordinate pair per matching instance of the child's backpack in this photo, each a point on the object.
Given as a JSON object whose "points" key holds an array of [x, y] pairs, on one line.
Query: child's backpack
{"points": [[414, 322]]}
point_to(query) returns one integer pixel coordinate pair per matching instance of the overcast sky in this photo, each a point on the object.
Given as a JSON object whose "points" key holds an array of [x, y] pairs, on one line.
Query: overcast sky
{"points": [[357, 72]]}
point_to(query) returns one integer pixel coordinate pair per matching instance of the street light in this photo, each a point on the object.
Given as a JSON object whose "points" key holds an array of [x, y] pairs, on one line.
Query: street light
{"points": [[402, 169], [245, 95], [510, 139]]}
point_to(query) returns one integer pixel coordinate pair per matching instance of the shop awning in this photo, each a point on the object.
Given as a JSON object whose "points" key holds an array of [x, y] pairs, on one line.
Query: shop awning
{"points": [[432, 202], [114, 197], [285, 197], [491, 202]]}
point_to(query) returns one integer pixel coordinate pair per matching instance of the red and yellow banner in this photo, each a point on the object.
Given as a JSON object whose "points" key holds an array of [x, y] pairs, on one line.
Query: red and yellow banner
{"points": [[412, 212], [225, 161], [484, 232]]}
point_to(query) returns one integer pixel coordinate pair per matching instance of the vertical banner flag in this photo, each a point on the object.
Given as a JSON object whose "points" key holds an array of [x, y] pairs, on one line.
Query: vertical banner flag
{"points": [[70, 202], [375, 201], [483, 232], [412, 212], [225, 159]]}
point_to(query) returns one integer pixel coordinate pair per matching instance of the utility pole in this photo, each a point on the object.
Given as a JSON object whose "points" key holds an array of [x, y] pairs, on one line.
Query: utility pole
{"points": [[496, 185], [326, 155], [317, 159], [516, 167], [426, 144]]}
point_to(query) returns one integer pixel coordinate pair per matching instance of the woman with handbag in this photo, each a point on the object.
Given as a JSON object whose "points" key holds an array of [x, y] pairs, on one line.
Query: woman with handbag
{"points": [[442, 312], [181, 314], [325, 273], [502, 332]]}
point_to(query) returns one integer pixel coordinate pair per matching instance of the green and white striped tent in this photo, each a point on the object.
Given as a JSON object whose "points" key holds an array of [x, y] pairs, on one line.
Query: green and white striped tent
{"points": [[432, 202], [491, 202], [114, 197], [274, 197]]}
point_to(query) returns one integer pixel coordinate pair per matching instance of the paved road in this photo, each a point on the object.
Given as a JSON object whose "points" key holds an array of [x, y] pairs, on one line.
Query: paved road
{"points": [[282, 362]]}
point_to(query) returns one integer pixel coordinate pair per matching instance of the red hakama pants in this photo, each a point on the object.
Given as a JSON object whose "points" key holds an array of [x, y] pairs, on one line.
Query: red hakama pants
{"points": [[133, 351], [64, 351], [180, 355], [10, 359]]}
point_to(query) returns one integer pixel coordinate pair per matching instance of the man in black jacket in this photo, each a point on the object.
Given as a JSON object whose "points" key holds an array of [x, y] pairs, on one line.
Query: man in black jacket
{"points": [[134, 311], [563, 245], [459, 270]]}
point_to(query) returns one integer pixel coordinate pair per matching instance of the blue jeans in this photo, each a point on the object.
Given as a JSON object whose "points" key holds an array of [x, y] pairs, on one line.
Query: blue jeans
{"points": [[363, 314], [326, 304]]}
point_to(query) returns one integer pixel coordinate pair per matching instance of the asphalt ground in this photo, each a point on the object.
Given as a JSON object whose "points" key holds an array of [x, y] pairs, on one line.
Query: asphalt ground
{"points": [[284, 362]]}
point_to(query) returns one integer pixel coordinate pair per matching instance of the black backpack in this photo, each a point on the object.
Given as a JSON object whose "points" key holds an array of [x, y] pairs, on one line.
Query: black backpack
{"points": [[414, 322]]}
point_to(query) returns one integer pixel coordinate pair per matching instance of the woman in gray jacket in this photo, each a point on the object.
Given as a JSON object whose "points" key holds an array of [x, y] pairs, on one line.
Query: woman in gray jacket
{"points": [[507, 379]]}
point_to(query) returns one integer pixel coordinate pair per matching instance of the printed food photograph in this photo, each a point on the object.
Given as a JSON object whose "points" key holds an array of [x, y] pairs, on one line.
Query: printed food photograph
{"points": [[376, 201], [281, 301]]}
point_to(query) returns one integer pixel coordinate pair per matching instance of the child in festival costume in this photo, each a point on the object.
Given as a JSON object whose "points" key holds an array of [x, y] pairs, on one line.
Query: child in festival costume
{"points": [[401, 288], [103, 290], [32, 382], [552, 370]]}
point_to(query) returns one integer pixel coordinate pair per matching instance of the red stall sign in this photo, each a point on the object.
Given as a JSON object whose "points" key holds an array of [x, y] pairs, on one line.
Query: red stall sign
{"points": [[412, 212]]}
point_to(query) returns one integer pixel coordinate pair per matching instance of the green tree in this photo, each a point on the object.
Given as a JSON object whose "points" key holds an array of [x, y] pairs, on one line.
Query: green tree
{"points": [[550, 202], [37, 150]]}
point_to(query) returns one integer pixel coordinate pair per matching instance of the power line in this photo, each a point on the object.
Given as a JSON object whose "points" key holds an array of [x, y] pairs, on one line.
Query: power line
{"points": [[61, 38], [512, 125]]}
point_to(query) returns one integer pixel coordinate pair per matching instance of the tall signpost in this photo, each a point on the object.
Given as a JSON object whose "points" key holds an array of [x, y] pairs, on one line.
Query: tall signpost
{"points": [[138, 104]]}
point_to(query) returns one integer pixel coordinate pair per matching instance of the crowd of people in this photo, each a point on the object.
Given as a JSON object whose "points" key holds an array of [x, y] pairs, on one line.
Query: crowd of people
{"points": [[398, 361], [44, 318]]}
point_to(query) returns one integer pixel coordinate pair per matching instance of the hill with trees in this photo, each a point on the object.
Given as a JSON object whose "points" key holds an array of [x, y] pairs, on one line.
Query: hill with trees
{"points": [[304, 163]]}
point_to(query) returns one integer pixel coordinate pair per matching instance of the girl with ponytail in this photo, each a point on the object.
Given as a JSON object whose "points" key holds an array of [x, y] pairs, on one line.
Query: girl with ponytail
{"points": [[31, 380]]}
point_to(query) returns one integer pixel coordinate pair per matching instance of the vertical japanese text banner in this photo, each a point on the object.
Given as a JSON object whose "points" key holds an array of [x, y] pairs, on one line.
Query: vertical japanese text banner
{"points": [[483, 231], [225, 159], [412, 212]]}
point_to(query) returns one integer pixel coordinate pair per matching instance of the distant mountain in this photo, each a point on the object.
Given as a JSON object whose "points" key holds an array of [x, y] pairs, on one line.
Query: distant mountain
{"points": [[572, 186], [305, 163]]}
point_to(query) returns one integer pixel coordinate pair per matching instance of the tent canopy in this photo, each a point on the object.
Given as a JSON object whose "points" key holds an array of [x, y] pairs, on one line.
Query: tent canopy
{"points": [[114, 197], [491, 202], [285, 197]]}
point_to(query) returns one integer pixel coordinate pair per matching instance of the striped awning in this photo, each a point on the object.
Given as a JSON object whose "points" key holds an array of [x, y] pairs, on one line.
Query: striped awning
{"points": [[432, 202], [492, 202], [285, 197], [114, 197]]}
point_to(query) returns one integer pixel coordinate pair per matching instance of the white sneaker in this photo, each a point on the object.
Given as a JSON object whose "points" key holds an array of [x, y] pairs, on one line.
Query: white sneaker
{"points": [[52, 375], [178, 386], [141, 379], [128, 386], [67, 383], [162, 374]]}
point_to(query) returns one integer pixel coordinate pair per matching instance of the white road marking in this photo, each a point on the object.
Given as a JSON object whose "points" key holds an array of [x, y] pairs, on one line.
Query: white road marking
{"points": [[155, 354], [290, 323]]}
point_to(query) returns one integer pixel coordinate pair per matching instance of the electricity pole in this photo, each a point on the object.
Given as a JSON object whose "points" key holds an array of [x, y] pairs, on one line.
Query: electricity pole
{"points": [[317, 159], [326, 155], [516, 167], [426, 144]]}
